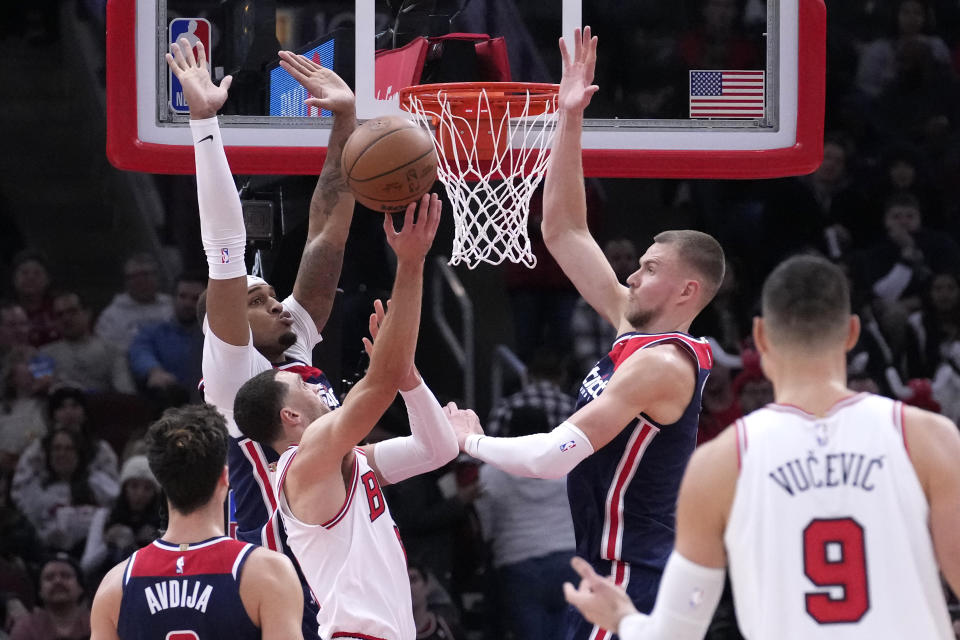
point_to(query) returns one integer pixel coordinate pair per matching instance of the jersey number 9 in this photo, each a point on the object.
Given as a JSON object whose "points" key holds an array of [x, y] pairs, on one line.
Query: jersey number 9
{"points": [[834, 556]]}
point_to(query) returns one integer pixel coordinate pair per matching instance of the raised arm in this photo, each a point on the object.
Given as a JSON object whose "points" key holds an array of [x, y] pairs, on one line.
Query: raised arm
{"points": [[327, 440], [331, 208], [564, 223], [221, 218]]}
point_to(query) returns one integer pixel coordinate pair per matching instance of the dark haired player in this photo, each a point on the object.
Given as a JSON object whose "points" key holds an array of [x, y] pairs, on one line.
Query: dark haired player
{"points": [[329, 489], [246, 329], [832, 508], [635, 426], [195, 583]]}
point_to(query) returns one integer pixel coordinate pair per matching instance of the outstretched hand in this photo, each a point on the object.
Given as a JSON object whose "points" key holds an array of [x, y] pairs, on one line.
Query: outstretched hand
{"points": [[412, 379], [464, 422], [598, 598], [413, 241], [327, 90], [576, 85], [203, 97]]}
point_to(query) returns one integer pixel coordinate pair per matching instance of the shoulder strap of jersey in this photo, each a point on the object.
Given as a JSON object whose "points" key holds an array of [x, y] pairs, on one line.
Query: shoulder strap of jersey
{"points": [[241, 560], [742, 442], [129, 568], [898, 423]]}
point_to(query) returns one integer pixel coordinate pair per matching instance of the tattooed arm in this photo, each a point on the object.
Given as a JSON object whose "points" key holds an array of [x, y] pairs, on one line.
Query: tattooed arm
{"points": [[331, 208]]}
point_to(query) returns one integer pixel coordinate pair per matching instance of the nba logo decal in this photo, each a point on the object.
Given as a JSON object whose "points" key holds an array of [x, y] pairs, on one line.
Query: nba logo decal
{"points": [[224, 256], [180, 565], [566, 446], [194, 30]]}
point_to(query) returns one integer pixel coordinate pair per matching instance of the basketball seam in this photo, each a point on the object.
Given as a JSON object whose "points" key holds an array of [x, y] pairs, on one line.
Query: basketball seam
{"points": [[372, 143], [397, 168]]}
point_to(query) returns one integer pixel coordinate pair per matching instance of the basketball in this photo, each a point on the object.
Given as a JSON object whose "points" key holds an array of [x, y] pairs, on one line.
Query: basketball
{"points": [[389, 162]]}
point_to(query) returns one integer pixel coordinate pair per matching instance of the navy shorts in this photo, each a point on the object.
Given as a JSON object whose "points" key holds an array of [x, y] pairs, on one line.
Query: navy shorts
{"points": [[641, 584]]}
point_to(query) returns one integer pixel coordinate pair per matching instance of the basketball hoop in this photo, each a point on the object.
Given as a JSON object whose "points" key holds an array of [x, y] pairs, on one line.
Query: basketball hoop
{"points": [[491, 139]]}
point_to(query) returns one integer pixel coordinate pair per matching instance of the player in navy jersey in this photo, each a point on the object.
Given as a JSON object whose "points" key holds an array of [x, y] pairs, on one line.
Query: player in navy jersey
{"points": [[246, 329], [195, 583], [635, 427], [836, 511]]}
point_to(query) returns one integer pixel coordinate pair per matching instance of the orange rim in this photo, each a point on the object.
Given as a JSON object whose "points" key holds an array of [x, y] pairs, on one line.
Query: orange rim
{"points": [[461, 94]]}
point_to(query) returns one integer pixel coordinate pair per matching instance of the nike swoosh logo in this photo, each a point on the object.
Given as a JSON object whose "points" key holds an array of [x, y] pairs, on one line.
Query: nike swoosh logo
{"points": [[210, 137]]}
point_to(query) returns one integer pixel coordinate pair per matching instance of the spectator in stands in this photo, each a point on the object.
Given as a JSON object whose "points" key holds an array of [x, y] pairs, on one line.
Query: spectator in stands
{"points": [[434, 525], [62, 506], [544, 391], [720, 404], [946, 381], [727, 319], [31, 285], [592, 335], [898, 268], [752, 389], [64, 614], [878, 62], [165, 356], [11, 610], [22, 407], [140, 304], [20, 550], [824, 211], [82, 358], [67, 409], [131, 523], [430, 624], [14, 327], [528, 523], [934, 326]]}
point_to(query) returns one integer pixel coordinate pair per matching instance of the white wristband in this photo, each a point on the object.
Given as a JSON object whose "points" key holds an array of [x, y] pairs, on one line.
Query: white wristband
{"points": [[221, 216], [540, 455], [687, 598]]}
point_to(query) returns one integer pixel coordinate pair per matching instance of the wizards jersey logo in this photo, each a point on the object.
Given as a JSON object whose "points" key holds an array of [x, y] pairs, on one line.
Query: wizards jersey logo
{"points": [[594, 384]]}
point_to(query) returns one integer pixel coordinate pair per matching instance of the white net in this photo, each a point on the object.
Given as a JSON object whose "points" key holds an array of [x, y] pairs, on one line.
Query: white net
{"points": [[490, 196]]}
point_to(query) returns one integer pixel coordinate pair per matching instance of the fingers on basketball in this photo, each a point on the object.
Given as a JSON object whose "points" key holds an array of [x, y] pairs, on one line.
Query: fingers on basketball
{"points": [[390, 163]]}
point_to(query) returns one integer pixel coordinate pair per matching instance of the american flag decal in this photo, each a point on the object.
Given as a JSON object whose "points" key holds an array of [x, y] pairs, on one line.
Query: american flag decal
{"points": [[727, 94]]}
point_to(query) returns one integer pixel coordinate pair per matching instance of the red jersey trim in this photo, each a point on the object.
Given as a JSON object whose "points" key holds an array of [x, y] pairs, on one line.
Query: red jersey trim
{"points": [[899, 423], [842, 403], [329, 524], [217, 557], [613, 526], [355, 636]]}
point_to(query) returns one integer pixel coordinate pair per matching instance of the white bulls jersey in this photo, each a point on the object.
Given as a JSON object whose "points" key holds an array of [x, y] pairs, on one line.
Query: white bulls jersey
{"points": [[828, 536], [354, 563]]}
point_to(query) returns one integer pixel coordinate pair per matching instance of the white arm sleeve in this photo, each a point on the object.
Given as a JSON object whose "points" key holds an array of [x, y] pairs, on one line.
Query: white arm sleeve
{"points": [[688, 596], [221, 217], [540, 455], [432, 445]]}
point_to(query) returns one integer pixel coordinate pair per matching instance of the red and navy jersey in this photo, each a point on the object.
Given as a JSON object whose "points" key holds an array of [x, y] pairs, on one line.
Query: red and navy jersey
{"points": [[254, 517], [624, 496], [251, 464], [186, 592]]}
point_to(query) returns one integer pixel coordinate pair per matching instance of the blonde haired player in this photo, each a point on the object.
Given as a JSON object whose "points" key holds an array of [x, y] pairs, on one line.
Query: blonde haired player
{"points": [[832, 508]]}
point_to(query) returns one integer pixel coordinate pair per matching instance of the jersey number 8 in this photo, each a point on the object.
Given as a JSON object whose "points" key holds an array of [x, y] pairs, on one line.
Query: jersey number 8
{"points": [[834, 555]]}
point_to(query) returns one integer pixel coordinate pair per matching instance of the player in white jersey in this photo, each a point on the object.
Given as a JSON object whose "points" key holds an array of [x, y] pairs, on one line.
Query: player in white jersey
{"points": [[329, 490], [832, 509]]}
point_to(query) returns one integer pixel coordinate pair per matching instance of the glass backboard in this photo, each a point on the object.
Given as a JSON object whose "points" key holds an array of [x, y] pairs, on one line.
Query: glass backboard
{"points": [[689, 88]]}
